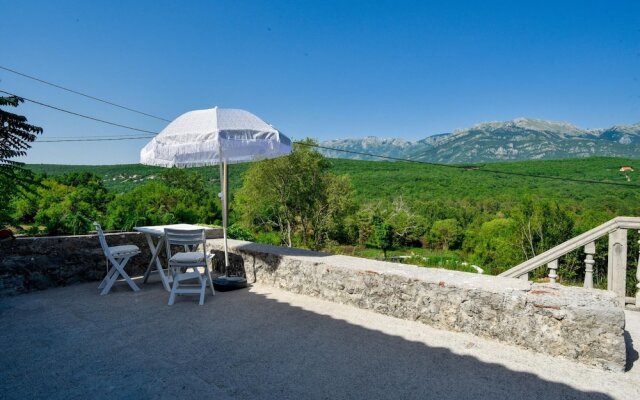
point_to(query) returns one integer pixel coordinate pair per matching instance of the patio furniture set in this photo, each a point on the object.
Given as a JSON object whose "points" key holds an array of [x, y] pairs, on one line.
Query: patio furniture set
{"points": [[187, 271], [199, 138]]}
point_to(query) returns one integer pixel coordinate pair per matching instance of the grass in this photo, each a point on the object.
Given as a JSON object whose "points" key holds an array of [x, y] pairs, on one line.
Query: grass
{"points": [[414, 255]]}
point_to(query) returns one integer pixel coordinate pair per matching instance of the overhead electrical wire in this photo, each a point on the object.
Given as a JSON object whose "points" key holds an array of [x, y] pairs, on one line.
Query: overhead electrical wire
{"points": [[94, 139], [452, 166], [473, 167], [83, 94], [78, 114]]}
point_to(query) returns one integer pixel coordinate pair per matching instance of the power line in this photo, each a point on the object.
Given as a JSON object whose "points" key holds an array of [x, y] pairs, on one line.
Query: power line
{"points": [[94, 139], [473, 168], [79, 115], [83, 94], [458, 167]]}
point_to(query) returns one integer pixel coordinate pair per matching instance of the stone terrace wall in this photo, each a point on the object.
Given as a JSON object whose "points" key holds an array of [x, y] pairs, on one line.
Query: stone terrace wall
{"points": [[37, 263], [584, 325]]}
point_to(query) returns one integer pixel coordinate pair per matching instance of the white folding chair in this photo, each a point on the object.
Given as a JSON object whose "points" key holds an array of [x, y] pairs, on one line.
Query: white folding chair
{"points": [[190, 258], [117, 256]]}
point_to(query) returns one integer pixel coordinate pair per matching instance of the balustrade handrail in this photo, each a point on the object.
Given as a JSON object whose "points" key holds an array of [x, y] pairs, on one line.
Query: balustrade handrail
{"points": [[571, 245]]}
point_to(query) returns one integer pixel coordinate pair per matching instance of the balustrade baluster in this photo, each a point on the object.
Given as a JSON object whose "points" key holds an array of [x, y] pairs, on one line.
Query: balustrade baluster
{"points": [[553, 268], [590, 250], [617, 263]]}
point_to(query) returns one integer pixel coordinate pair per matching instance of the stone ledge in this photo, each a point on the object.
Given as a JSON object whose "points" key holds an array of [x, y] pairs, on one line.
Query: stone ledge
{"points": [[37, 263], [583, 325]]}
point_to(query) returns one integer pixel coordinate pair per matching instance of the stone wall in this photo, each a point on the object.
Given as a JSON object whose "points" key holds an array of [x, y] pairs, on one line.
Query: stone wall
{"points": [[37, 263], [584, 325]]}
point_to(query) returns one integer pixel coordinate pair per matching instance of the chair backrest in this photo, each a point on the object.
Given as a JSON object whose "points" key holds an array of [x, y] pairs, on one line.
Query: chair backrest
{"points": [[102, 239], [183, 237]]}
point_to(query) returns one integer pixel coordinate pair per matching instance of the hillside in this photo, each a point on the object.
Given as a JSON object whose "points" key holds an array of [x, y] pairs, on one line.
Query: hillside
{"points": [[519, 139], [379, 180]]}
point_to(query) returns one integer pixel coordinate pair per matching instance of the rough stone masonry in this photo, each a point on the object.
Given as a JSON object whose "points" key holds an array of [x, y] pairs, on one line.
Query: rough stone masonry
{"points": [[584, 325], [580, 324]]}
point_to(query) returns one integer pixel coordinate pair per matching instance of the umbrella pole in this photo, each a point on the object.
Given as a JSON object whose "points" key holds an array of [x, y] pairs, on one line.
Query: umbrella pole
{"points": [[225, 211]]}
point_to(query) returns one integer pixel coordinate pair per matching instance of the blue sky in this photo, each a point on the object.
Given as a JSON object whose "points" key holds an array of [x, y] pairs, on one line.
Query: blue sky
{"points": [[325, 69]]}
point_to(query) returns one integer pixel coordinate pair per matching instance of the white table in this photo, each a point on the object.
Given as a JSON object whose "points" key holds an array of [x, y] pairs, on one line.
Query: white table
{"points": [[157, 232]]}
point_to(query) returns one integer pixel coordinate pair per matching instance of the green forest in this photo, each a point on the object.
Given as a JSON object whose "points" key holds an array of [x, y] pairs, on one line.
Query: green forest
{"points": [[452, 217]]}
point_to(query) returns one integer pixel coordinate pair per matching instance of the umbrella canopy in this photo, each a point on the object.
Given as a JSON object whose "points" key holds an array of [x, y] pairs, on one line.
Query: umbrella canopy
{"points": [[215, 136], [207, 137]]}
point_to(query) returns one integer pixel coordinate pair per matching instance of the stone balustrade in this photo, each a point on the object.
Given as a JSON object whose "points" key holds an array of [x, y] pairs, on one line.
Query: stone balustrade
{"points": [[616, 229]]}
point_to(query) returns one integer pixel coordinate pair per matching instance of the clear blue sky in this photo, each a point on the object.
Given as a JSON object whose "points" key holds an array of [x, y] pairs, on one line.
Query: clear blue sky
{"points": [[325, 69]]}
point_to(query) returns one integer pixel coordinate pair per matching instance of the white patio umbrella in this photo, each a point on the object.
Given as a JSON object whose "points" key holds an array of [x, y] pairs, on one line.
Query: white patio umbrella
{"points": [[216, 136]]}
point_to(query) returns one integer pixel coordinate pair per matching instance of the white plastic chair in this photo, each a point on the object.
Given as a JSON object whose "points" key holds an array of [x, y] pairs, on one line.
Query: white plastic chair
{"points": [[117, 256], [190, 258]]}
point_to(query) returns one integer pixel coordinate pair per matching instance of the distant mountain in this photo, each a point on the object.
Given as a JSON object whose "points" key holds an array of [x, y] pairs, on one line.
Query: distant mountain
{"points": [[519, 139]]}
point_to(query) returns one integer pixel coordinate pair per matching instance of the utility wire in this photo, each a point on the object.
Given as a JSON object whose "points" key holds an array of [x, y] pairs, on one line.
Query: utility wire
{"points": [[94, 139], [79, 115], [83, 94], [458, 167], [473, 167]]}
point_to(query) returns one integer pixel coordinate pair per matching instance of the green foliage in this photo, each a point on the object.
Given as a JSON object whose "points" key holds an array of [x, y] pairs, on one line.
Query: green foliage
{"points": [[502, 219], [541, 225], [494, 245], [446, 233], [168, 200], [382, 237], [15, 136], [239, 233], [67, 204], [297, 197]]}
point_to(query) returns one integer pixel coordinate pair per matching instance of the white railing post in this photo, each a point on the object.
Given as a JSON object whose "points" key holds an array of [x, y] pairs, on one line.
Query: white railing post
{"points": [[590, 250], [617, 263], [553, 268]]}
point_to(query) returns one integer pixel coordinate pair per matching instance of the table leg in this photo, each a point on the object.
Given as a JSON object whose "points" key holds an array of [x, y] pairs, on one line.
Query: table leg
{"points": [[155, 251]]}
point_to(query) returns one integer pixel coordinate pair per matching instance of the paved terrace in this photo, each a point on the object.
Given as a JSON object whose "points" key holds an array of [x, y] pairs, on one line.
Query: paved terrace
{"points": [[265, 343]]}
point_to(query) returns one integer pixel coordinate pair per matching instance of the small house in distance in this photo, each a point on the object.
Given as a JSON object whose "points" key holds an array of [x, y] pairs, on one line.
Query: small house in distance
{"points": [[626, 168]]}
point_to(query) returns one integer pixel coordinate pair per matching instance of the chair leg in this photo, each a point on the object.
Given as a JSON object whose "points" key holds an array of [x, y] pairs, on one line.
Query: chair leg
{"points": [[213, 292], [106, 278], [172, 297], [202, 294], [112, 276], [126, 276], [110, 282]]}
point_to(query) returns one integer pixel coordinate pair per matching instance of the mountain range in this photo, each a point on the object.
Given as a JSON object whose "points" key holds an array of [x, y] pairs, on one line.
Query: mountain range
{"points": [[518, 139]]}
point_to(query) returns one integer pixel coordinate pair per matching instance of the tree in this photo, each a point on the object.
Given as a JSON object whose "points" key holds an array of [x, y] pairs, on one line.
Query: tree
{"points": [[408, 227], [15, 136], [66, 204], [159, 203], [446, 233], [382, 237], [541, 225], [295, 196], [495, 245]]}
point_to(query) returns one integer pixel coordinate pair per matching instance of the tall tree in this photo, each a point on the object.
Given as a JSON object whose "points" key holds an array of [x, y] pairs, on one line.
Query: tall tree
{"points": [[295, 196], [15, 138]]}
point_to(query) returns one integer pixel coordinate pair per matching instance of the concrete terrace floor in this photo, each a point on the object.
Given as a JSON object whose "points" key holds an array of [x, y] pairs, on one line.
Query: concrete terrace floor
{"points": [[264, 343]]}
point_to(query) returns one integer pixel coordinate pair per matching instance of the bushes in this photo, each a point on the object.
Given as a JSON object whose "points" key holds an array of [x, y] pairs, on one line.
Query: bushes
{"points": [[63, 205], [175, 197], [69, 203]]}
